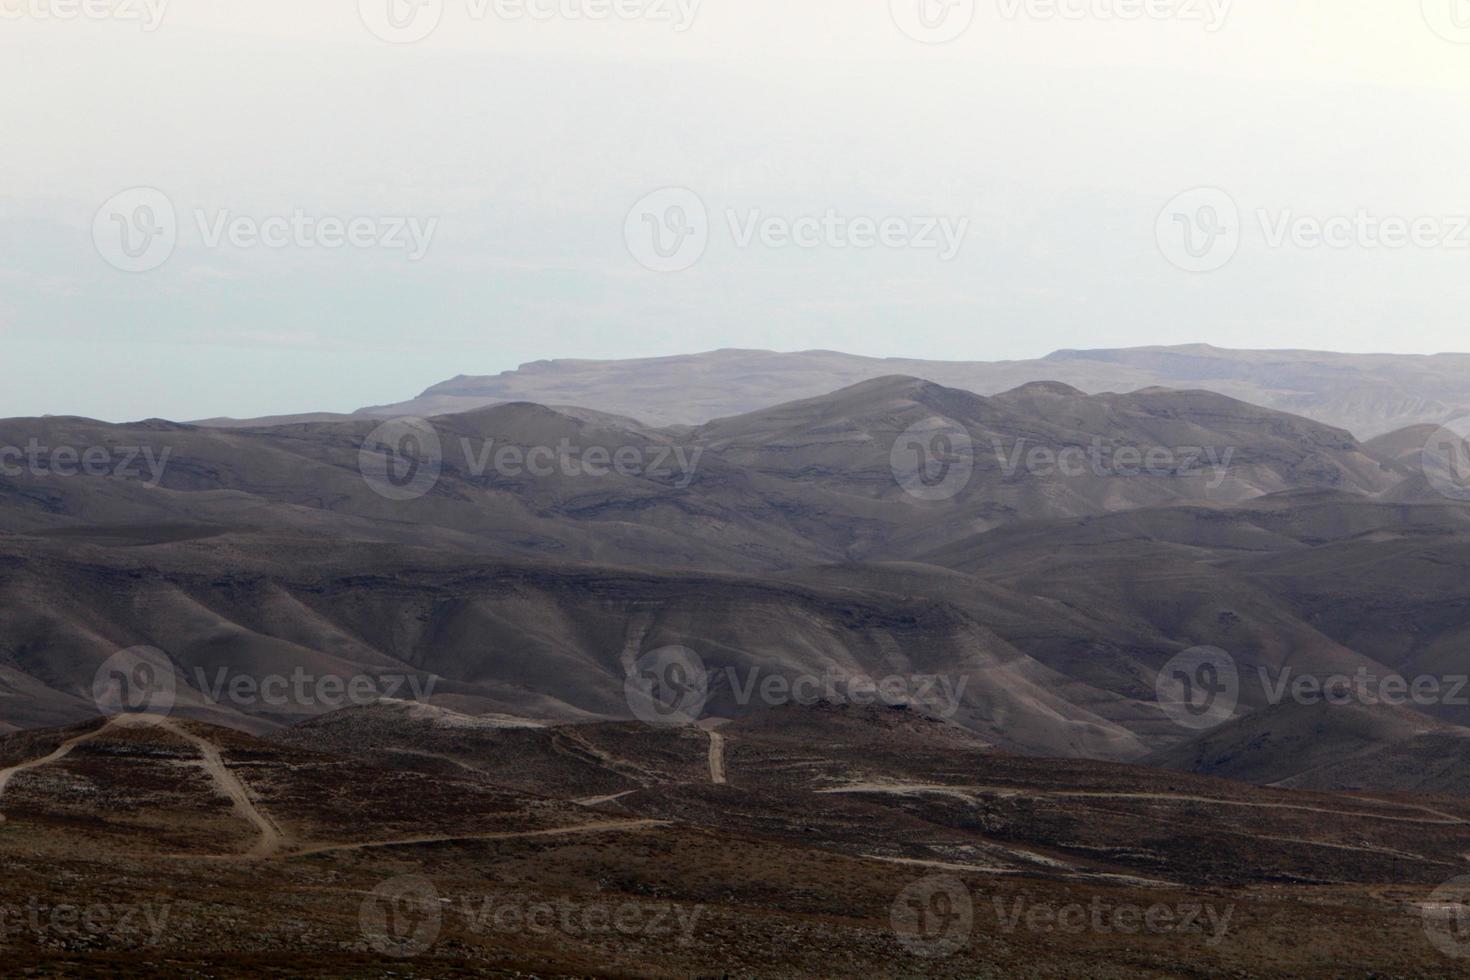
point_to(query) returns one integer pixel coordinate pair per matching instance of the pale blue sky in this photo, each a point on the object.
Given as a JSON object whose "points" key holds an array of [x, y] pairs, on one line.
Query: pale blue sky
{"points": [[1059, 141]]}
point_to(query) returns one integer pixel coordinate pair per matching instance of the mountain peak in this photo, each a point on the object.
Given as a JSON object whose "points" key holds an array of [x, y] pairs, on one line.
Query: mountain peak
{"points": [[1044, 388]]}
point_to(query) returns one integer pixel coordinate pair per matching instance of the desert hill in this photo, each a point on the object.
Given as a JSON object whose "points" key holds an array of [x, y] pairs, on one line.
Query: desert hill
{"points": [[1324, 746], [785, 844], [1367, 394]]}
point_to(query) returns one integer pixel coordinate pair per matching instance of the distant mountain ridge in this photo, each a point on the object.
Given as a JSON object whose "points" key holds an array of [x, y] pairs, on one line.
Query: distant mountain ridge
{"points": [[1367, 394], [797, 541]]}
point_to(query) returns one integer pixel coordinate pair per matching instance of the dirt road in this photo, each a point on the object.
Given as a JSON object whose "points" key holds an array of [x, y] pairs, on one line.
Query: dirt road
{"points": [[229, 785], [225, 782], [61, 752], [716, 758], [1440, 818], [588, 828]]}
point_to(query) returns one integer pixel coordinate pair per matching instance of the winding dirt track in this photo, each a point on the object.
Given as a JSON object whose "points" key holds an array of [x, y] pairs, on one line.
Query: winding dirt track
{"points": [[990, 870], [61, 752], [439, 755], [574, 745], [272, 841], [229, 785], [226, 782], [1440, 819], [716, 758], [587, 828], [599, 800]]}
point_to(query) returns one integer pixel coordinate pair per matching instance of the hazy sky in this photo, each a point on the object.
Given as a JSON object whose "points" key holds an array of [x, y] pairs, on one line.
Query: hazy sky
{"points": [[1050, 141]]}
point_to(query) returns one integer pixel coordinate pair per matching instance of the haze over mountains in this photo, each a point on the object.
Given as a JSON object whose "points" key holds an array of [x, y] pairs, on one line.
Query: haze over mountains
{"points": [[1368, 394], [1044, 551], [780, 671], [1026, 653]]}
